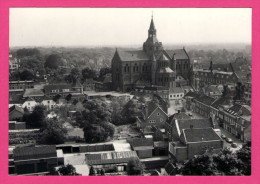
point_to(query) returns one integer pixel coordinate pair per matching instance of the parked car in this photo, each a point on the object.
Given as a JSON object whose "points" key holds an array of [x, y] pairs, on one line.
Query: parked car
{"points": [[234, 145], [223, 136], [229, 140]]}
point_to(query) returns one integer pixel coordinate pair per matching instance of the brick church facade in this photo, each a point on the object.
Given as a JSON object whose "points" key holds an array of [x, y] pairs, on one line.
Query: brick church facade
{"points": [[151, 66]]}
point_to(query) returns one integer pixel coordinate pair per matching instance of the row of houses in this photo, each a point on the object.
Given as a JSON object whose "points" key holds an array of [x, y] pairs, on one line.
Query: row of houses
{"points": [[235, 117]]}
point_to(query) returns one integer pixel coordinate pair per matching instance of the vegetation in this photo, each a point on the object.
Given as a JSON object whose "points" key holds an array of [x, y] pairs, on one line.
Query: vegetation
{"points": [[65, 170], [95, 121], [224, 163], [92, 171], [53, 132], [36, 119], [134, 167]]}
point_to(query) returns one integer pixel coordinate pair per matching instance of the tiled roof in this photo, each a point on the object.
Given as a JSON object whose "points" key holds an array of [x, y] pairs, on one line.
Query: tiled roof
{"points": [[110, 157], [138, 142], [21, 153], [206, 99], [33, 92], [238, 109], [132, 55], [57, 86], [177, 54], [17, 108], [195, 123], [200, 134], [219, 102]]}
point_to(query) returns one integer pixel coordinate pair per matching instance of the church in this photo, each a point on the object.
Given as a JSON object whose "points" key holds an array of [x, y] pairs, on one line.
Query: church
{"points": [[151, 66]]}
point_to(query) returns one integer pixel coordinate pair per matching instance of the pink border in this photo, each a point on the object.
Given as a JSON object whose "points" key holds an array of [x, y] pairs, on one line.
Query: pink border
{"points": [[4, 48]]}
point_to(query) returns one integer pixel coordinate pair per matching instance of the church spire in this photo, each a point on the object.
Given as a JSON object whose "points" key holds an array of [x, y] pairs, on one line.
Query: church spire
{"points": [[152, 27]]}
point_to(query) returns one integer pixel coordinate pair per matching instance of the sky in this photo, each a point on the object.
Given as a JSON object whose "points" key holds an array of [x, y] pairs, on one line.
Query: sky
{"points": [[127, 26]]}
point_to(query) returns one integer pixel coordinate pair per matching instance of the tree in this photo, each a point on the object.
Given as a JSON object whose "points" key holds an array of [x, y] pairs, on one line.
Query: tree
{"points": [[53, 132], [26, 75], [53, 61], [88, 73], [67, 170], [240, 90], [226, 92], [37, 118], [56, 98], [103, 72], [92, 171], [134, 167], [94, 133], [102, 172], [68, 97], [199, 166]]}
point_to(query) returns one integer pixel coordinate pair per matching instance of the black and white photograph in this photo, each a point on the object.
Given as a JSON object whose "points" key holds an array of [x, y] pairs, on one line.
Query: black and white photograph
{"points": [[130, 91]]}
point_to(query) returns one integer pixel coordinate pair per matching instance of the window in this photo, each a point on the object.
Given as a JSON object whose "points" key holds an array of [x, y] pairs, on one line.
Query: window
{"points": [[161, 119], [158, 114], [152, 121]]}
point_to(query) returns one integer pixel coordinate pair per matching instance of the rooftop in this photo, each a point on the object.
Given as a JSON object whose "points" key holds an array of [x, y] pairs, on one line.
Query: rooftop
{"points": [[200, 135]]}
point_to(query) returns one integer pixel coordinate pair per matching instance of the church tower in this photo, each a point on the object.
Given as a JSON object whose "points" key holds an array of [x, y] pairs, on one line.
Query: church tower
{"points": [[152, 45]]}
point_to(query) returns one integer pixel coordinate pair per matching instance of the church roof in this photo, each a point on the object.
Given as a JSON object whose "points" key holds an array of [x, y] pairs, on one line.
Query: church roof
{"points": [[152, 27], [135, 55], [165, 70], [163, 57], [177, 54]]}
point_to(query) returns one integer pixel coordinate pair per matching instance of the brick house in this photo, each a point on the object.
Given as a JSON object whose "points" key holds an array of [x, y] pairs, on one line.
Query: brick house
{"points": [[202, 105], [236, 120], [152, 115], [194, 141], [177, 125]]}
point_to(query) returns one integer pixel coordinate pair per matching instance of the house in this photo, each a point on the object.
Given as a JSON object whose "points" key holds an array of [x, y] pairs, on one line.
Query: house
{"points": [[189, 100], [177, 125], [176, 94], [212, 91], [29, 103], [202, 105], [48, 102], [52, 90], [194, 141], [152, 115], [116, 161], [214, 108], [143, 147], [15, 113], [236, 120], [35, 160]]}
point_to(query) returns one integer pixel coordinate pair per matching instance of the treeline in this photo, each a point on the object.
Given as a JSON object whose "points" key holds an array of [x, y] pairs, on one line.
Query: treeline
{"points": [[219, 56]]}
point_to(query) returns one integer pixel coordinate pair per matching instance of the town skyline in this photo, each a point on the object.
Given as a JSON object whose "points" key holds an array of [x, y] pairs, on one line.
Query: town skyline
{"points": [[64, 26]]}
